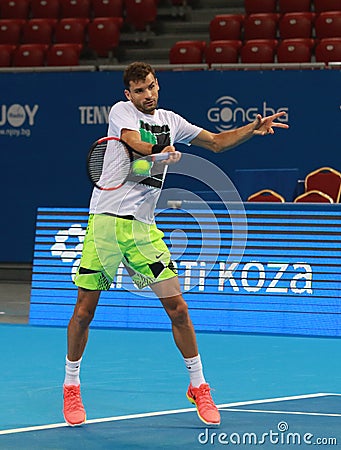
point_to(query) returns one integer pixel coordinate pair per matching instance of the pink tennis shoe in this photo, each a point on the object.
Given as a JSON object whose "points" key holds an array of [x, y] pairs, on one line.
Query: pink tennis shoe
{"points": [[74, 412], [206, 408]]}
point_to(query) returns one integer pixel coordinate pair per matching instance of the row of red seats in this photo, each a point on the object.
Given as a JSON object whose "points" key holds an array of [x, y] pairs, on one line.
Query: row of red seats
{"points": [[284, 6], [138, 13], [37, 55], [273, 25], [101, 35], [256, 51], [25, 9]]}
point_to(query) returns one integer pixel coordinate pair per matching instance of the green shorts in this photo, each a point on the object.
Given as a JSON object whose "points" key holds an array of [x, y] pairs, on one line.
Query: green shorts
{"points": [[110, 240]]}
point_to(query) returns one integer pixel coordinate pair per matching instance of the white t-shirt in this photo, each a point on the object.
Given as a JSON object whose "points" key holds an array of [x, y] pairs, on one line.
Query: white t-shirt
{"points": [[163, 127]]}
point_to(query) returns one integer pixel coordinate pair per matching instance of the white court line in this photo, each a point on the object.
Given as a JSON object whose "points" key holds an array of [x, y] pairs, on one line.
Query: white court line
{"points": [[279, 399], [265, 411], [162, 413], [103, 420]]}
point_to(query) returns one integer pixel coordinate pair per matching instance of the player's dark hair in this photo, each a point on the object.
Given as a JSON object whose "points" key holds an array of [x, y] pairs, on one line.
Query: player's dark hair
{"points": [[137, 71]]}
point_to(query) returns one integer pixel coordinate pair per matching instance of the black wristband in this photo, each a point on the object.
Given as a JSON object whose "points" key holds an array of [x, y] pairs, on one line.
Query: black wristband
{"points": [[157, 148]]}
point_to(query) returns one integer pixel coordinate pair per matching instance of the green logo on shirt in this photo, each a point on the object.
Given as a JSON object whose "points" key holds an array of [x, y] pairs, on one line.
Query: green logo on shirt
{"points": [[155, 134]]}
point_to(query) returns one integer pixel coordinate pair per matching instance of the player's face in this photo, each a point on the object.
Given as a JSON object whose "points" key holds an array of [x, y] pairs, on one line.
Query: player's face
{"points": [[144, 94]]}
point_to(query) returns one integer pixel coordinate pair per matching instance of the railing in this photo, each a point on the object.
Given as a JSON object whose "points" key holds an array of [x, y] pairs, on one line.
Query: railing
{"points": [[178, 67]]}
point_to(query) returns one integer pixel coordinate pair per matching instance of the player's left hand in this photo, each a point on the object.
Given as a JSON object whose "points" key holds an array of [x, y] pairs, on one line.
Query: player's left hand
{"points": [[265, 125]]}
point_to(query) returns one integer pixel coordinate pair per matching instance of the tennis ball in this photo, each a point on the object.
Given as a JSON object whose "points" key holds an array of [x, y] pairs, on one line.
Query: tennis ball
{"points": [[142, 167]]}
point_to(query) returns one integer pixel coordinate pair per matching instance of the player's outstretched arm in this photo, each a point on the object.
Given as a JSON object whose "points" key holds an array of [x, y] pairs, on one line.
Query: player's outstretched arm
{"points": [[218, 142]]}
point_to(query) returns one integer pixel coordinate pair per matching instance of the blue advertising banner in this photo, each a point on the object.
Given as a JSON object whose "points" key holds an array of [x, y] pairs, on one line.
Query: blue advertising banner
{"points": [[49, 120], [266, 269]]}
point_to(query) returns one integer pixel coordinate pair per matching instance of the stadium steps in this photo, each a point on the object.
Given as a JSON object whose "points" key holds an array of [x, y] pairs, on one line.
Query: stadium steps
{"points": [[194, 25]]}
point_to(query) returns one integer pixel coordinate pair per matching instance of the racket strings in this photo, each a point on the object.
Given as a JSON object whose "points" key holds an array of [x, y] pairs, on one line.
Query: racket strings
{"points": [[96, 160], [109, 164]]}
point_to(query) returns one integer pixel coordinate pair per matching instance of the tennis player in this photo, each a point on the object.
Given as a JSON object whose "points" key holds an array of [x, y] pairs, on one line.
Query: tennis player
{"points": [[121, 228]]}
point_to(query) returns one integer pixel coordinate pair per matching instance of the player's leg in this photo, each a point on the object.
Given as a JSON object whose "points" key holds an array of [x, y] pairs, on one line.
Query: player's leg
{"points": [[150, 264], [198, 391], [101, 256], [169, 293], [78, 328]]}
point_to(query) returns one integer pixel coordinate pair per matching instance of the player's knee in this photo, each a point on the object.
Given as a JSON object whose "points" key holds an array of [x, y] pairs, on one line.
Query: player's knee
{"points": [[85, 308], [179, 315], [83, 316]]}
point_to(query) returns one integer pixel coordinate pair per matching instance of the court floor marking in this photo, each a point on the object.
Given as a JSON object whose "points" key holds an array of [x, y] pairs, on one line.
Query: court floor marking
{"points": [[278, 399], [162, 413], [265, 411]]}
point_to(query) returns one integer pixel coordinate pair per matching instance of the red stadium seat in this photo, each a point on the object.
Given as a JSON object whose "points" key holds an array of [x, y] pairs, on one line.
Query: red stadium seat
{"points": [[296, 25], [6, 52], [10, 31], [326, 180], [187, 52], [107, 8], [259, 6], [45, 9], [71, 30], [140, 14], [260, 26], [258, 51], [328, 50], [328, 24], [266, 195], [37, 31], [104, 35], [201, 45], [286, 6], [75, 8], [226, 27], [63, 55], [295, 51], [327, 5], [29, 55], [313, 197], [224, 51], [14, 9]]}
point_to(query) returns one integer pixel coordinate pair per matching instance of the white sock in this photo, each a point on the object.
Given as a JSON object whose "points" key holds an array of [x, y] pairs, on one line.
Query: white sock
{"points": [[72, 369], [195, 371]]}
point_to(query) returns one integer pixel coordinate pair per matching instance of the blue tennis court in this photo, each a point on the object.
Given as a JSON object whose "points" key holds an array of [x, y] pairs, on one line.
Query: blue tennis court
{"points": [[268, 330], [271, 390]]}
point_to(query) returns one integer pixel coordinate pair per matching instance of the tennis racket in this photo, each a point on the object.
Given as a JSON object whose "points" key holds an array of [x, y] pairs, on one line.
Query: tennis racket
{"points": [[111, 162]]}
